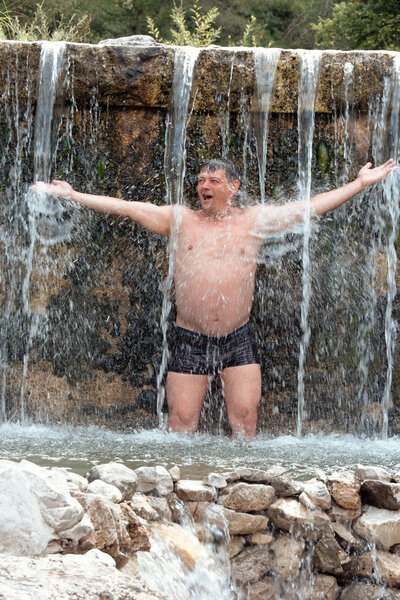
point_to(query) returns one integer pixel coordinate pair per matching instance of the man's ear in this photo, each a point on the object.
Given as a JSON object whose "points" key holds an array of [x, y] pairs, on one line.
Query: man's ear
{"points": [[234, 186]]}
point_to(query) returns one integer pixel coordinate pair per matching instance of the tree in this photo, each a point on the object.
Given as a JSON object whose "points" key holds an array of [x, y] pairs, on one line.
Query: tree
{"points": [[361, 24]]}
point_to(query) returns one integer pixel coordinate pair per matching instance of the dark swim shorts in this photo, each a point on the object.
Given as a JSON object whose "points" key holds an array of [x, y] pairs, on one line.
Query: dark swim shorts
{"points": [[202, 355]]}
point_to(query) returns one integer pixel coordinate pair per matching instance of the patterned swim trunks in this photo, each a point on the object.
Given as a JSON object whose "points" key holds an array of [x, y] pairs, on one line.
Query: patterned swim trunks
{"points": [[199, 354]]}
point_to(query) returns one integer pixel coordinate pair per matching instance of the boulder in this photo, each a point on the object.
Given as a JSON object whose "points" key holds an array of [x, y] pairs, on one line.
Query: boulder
{"points": [[368, 591], [318, 493], [288, 554], [250, 565], [345, 489], [244, 523], [285, 486], [324, 587], [215, 480], [265, 589], [115, 474], [344, 515], [381, 494], [235, 545], [247, 497], [261, 537], [110, 492], [175, 473], [73, 478], [194, 491], [290, 515], [141, 505], [346, 538], [363, 472], [379, 567], [329, 556], [154, 479], [379, 526]]}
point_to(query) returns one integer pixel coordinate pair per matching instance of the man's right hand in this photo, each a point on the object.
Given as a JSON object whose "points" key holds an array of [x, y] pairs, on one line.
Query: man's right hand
{"points": [[57, 188]]}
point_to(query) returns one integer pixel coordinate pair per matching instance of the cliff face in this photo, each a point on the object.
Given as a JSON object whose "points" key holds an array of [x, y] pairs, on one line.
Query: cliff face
{"points": [[81, 337]]}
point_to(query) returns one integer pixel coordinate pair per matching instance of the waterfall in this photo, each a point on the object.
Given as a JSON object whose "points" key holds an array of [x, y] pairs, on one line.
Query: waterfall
{"points": [[174, 169], [308, 82]]}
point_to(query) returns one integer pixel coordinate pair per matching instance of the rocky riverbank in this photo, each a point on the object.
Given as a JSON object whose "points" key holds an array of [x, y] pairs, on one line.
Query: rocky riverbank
{"points": [[332, 537]]}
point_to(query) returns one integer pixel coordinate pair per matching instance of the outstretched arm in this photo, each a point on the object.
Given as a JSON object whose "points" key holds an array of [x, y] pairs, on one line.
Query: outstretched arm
{"points": [[157, 219], [274, 219]]}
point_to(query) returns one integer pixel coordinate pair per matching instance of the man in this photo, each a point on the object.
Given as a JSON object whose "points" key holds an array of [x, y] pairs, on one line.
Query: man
{"points": [[216, 254]]}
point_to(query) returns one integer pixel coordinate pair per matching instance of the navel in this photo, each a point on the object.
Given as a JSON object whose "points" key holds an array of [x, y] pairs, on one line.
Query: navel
{"points": [[190, 247]]}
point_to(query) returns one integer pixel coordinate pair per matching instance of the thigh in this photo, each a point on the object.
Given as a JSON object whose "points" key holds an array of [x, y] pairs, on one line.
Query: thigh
{"points": [[186, 393]]}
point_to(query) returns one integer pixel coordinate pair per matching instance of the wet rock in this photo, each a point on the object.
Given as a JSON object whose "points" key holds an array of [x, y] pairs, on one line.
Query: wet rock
{"points": [[110, 492], [266, 589], [211, 514], [324, 587], [184, 543], [162, 507], [253, 475], [250, 565], [138, 535], [329, 556], [344, 515], [80, 482], [381, 494], [105, 533], [307, 502], [261, 537], [130, 40], [175, 473], [230, 476], [363, 472], [194, 491], [346, 538], [247, 497], [142, 506], [288, 553], [179, 510], [235, 545], [290, 515], [318, 493], [379, 567], [154, 479], [115, 474], [71, 538], [368, 591], [285, 486], [215, 480], [244, 523], [379, 526], [344, 489]]}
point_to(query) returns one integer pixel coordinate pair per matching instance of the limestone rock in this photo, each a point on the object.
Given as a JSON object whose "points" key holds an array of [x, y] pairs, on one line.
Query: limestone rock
{"points": [[230, 476], [247, 497], [329, 556], [344, 490], [381, 494], [195, 491], [288, 553], [110, 492], [285, 486], [154, 479], [210, 514], [161, 506], [379, 526], [363, 472], [261, 537], [290, 515], [70, 538], [215, 480], [344, 515], [115, 474], [141, 505], [253, 475], [318, 493], [381, 567], [346, 538], [244, 523], [368, 591], [175, 473], [250, 565], [105, 533], [265, 589], [138, 536], [235, 545], [324, 587], [73, 478], [307, 502]]}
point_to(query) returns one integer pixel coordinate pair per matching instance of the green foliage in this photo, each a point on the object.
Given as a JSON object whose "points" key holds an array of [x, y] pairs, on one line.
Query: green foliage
{"points": [[200, 31], [43, 27], [361, 24]]}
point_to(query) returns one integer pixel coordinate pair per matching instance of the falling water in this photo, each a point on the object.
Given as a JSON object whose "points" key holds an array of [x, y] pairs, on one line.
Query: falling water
{"points": [[265, 63], [174, 168], [310, 62]]}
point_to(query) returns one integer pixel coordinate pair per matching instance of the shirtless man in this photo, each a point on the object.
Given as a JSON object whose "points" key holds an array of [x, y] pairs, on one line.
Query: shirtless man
{"points": [[215, 264]]}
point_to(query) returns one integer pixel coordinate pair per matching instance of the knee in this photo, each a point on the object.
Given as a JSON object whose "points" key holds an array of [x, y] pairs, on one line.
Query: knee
{"points": [[182, 420]]}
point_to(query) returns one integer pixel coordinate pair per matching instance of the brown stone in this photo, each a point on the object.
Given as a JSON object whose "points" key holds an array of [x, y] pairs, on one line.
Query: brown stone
{"points": [[344, 515], [194, 491], [250, 565], [324, 587], [344, 489], [379, 526], [329, 556], [265, 589], [318, 493], [261, 537], [290, 515], [368, 591], [235, 545], [247, 497], [363, 472], [381, 567], [285, 486], [346, 538], [288, 553], [244, 523], [381, 494]]}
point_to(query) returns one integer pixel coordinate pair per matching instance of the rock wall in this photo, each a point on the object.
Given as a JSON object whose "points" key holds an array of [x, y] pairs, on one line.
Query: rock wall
{"points": [[89, 346], [335, 536]]}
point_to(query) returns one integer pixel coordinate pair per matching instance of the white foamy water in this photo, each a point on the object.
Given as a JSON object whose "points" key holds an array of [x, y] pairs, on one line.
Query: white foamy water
{"points": [[81, 447]]}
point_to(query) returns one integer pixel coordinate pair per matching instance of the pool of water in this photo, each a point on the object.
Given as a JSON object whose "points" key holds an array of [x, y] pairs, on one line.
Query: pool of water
{"points": [[81, 447]]}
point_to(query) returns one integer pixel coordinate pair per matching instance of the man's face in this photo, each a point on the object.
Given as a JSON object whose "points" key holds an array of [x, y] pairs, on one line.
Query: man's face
{"points": [[215, 191]]}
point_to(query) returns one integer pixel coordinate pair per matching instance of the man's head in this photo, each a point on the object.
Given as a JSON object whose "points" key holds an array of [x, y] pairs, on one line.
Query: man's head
{"points": [[217, 184]]}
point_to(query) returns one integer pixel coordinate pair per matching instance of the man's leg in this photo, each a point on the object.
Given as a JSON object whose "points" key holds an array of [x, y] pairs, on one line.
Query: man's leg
{"points": [[242, 392], [185, 397]]}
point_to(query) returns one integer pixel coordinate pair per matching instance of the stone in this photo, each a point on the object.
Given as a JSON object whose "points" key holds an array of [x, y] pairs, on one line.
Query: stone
{"points": [[175, 473], [261, 537], [288, 553], [250, 565], [73, 478], [265, 589], [381, 494], [368, 591], [161, 506], [70, 538], [215, 480], [363, 472], [210, 514], [285, 486], [318, 493], [307, 502], [154, 479], [290, 515], [346, 538], [115, 474], [110, 492], [130, 40], [324, 587], [179, 510], [344, 489], [253, 475], [230, 476], [244, 523], [396, 477], [329, 556], [235, 545], [344, 515], [379, 526], [105, 527], [247, 497], [183, 542], [138, 535], [194, 491], [142, 506], [378, 567]]}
